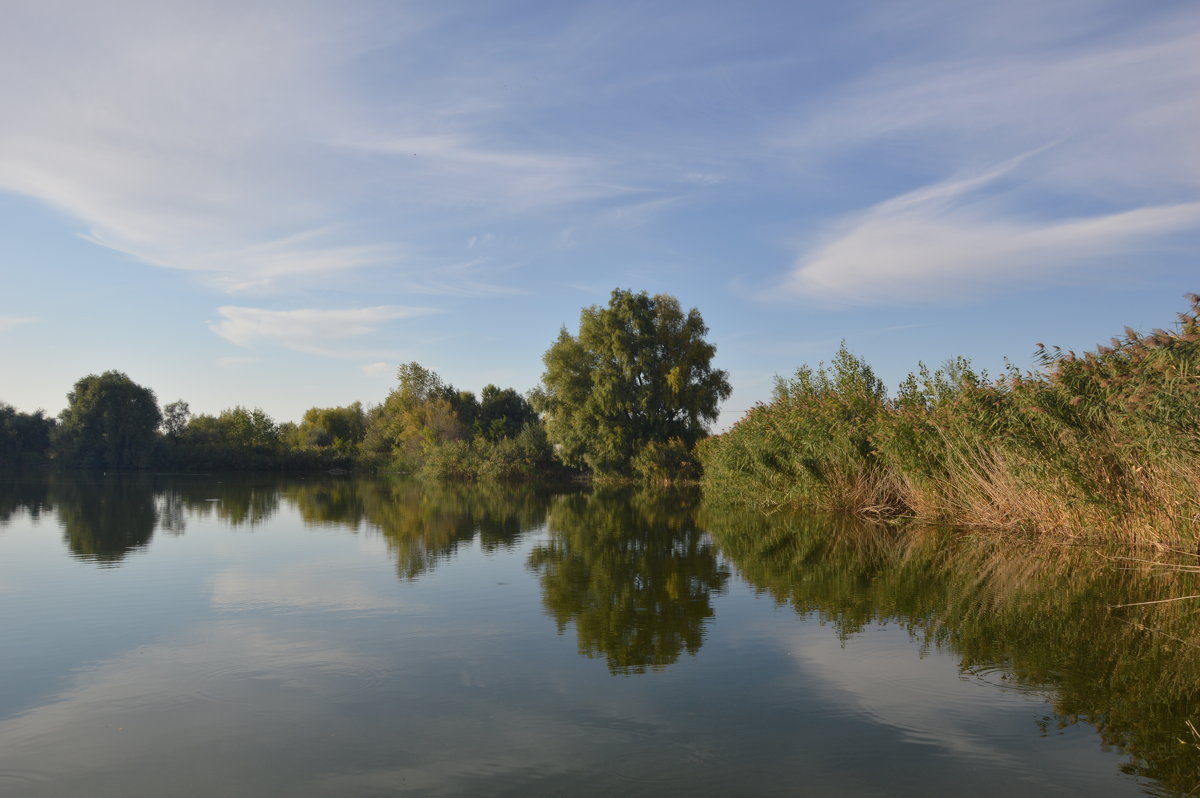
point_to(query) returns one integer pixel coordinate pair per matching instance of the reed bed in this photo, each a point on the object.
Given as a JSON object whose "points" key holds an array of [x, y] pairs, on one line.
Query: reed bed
{"points": [[1106, 443]]}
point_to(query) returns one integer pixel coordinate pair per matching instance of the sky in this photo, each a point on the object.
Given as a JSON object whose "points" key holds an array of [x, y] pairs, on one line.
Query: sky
{"points": [[274, 203]]}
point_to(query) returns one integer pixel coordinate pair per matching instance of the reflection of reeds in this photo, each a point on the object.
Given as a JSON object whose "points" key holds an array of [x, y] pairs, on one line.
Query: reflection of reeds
{"points": [[1103, 443], [1194, 742], [1042, 612]]}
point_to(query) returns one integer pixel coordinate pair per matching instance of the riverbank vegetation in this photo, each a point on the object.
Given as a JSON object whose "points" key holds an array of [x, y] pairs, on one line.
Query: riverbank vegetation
{"points": [[628, 398], [1106, 442], [1103, 442], [424, 426]]}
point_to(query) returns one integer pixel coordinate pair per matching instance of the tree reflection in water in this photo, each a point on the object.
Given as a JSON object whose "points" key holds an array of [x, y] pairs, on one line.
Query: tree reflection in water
{"points": [[635, 573], [23, 494], [424, 523], [104, 520], [632, 572]]}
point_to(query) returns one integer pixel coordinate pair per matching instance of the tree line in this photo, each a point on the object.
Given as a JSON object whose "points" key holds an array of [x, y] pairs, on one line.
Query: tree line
{"points": [[630, 395], [1104, 441]]}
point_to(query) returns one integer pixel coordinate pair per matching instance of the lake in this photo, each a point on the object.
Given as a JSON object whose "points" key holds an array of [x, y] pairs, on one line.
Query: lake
{"points": [[232, 635]]}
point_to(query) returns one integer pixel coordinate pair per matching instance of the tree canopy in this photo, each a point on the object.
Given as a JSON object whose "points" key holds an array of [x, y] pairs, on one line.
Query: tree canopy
{"points": [[639, 372], [503, 413], [110, 422], [417, 414], [339, 427], [24, 437]]}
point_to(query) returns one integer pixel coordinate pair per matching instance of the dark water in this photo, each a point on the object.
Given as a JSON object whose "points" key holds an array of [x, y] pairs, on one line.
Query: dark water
{"points": [[229, 636]]}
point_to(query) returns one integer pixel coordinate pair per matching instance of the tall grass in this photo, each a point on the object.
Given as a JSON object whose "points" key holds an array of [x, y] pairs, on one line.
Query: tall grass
{"points": [[1107, 442]]}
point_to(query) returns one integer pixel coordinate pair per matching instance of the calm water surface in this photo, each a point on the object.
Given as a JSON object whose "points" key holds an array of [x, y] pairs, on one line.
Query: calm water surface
{"points": [[207, 635]]}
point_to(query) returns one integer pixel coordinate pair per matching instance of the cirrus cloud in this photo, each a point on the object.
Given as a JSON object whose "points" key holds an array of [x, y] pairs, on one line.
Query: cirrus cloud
{"points": [[306, 330], [10, 322], [933, 244], [242, 140], [1095, 137]]}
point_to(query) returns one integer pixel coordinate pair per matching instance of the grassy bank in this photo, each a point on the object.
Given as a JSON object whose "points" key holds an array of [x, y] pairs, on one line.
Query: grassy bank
{"points": [[1103, 443]]}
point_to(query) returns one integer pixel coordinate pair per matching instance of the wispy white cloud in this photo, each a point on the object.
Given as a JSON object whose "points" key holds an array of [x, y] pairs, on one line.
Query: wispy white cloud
{"points": [[1132, 95], [187, 139], [224, 139], [11, 322], [305, 330], [230, 362], [704, 178], [256, 266], [466, 278], [1110, 163], [632, 215], [378, 369], [451, 168], [934, 243]]}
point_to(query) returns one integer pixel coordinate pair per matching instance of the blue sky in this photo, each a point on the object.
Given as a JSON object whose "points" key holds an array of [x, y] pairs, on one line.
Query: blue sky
{"points": [[274, 204]]}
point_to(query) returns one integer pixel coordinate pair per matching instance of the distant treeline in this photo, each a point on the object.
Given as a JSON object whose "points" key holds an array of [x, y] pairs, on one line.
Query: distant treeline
{"points": [[112, 423], [628, 397], [1107, 441]]}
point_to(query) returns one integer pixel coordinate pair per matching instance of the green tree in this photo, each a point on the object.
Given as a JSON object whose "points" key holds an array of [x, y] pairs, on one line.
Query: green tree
{"points": [[465, 406], [338, 427], [638, 372], [244, 428], [175, 419], [237, 438], [110, 422], [418, 415], [503, 413], [24, 437]]}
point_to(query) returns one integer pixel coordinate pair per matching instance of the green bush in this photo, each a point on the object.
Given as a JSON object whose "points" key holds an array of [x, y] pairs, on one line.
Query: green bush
{"points": [[666, 462]]}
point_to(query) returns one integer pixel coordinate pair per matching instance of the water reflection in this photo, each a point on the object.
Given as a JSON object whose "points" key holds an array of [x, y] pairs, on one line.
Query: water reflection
{"points": [[637, 575], [425, 523], [104, 521], [237, 501], [29, 495], [1016, 613], [632, 572]]}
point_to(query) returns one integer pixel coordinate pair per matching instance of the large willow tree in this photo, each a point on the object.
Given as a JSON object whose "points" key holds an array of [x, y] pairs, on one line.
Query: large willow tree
{"points": [[638, 373], [109, 422]]}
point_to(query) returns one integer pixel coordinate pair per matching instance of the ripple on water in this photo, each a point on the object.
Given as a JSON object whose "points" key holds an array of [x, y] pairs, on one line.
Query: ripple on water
{"points": [[1003, 678], [658, 764], [15, 778], [225, 680]]}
